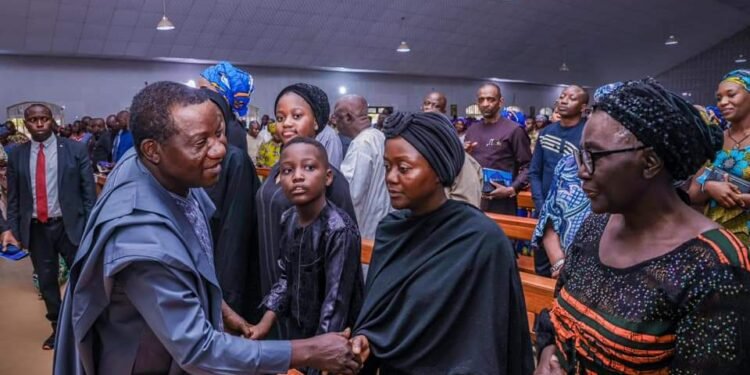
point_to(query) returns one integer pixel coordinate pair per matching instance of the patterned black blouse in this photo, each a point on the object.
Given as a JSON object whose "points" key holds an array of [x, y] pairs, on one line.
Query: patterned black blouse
{"points": [[685, 312]]}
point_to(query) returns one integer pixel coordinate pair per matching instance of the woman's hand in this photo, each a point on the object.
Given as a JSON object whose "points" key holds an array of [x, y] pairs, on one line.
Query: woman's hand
{"points": [[724, 193], [548, 363], [361, 348], [233, 322]]}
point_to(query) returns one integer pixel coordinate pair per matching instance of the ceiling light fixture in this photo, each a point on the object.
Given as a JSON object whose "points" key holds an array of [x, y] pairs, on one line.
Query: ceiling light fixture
{"points": [[740, 59], [671, 41], [403, 47], [165, 24], [342, 90], [564, 67], [191, 83]]}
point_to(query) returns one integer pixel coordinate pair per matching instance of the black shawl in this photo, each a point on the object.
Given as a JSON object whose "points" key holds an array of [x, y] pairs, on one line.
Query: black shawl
{"points": [[443, 296], [235, 233]]}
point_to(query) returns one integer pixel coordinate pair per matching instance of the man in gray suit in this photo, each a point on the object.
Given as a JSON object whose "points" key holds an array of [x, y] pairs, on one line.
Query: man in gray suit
{"points": [[143, 295], [50, 194]]}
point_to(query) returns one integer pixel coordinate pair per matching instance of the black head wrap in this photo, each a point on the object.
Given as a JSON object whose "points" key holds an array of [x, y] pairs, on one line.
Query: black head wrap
{"points": [[315, 97], [434, 137], [663, 121]]}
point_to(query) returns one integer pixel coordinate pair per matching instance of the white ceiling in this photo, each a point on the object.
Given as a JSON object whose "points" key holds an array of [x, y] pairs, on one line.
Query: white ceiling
{"points": [[513, 39]]}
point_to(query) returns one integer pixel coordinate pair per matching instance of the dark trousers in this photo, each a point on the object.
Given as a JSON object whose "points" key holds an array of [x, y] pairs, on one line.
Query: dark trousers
{"points": [[47, 242], [505, 206]]}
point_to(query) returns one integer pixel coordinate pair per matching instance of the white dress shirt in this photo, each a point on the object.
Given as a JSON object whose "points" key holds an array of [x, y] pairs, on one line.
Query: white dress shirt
{"points": [[363, 168], [50, 164]]}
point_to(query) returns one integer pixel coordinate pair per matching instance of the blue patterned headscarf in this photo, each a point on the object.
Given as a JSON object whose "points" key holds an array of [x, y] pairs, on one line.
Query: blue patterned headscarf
{"points": [[514, 115], [715, 114], [234, 84], [740, 77]]}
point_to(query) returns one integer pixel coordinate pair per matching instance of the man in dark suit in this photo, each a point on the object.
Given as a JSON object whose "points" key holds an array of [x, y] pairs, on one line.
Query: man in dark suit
{"points": [[50, 195], [100, 144]]}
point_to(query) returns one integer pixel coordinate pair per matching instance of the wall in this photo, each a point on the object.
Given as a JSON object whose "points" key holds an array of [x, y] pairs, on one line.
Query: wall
{"points": [[99, 87], [699, 76]]}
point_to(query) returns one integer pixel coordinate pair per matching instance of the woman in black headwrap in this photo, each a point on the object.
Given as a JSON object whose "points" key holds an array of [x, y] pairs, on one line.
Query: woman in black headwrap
{"points": [[301, 111], [443, 295], [649, 284]]}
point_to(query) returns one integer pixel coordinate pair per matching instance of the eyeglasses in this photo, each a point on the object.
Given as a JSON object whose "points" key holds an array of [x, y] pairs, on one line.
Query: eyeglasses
{"points": [[588, 158]]}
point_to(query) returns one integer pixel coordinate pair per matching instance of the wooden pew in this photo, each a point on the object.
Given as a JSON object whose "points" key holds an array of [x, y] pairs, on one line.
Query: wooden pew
{"points": [[523, 200], [517, 228], [538, 291]]}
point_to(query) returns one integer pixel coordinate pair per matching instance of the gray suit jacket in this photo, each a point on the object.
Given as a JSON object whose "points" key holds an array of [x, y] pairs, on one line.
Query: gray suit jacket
{"points": [[142, 295], [75, 188]]}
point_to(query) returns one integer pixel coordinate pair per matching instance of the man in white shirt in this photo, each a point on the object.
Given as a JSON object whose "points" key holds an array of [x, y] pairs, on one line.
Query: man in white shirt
{"points": [[363, 163], [254, 141]]}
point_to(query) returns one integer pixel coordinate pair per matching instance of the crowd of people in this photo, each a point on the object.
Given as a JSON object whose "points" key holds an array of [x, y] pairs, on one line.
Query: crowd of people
{"points": [[188, 262]]}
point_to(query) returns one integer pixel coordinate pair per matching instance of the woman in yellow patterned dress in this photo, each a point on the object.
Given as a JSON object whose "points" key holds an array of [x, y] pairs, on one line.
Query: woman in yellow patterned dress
{"points": [[268, 153], [726, 204]]}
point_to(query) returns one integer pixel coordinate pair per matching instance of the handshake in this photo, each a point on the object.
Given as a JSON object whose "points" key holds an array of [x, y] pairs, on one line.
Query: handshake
{"points": [[334, 353]]}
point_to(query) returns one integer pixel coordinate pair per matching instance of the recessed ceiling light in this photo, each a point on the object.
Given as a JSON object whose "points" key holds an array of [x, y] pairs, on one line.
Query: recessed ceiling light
{"points": [[740, 59], [342, 90], [671, 41]]}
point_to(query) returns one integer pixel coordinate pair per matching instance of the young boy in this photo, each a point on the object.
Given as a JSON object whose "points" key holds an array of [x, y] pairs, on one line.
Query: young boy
{"points": [[321, 284]]}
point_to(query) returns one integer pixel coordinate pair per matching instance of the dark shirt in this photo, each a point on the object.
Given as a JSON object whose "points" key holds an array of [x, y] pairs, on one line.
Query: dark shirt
{"points": [[555, 141], [321, 285], [100, 148], [502, 145], [345, 142], [271, 204]]}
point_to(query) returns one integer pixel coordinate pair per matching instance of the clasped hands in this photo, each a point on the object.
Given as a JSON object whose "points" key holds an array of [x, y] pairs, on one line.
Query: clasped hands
{"points": [[334, 353], [727, 194]]}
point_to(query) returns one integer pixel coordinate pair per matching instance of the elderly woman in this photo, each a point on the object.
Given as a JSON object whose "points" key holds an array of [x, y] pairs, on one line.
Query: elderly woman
{"points": [[443, 295], [727, 205], [649, 285], [302, 110]]}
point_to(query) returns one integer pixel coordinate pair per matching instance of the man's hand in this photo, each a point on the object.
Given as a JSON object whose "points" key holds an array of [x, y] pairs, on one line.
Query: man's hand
{"points": [[331, 352], [469, 146], [501, 191], [8, 238], [361, 348]]}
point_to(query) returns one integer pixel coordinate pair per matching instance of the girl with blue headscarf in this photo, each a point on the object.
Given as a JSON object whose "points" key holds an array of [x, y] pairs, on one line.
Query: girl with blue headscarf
{"points": [[725, 203]]}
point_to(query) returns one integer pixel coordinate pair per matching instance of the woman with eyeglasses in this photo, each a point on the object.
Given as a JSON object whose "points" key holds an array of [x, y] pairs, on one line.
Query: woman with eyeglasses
{"points": [[649, 284], [727, 197]]}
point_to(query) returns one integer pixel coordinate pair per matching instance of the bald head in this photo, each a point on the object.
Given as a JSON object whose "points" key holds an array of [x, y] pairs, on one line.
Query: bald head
{"points": [[434, 102], [350, 115]]}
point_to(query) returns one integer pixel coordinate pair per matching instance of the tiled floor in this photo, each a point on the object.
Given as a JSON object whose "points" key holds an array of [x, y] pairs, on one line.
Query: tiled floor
{"points": [[23, 327]]}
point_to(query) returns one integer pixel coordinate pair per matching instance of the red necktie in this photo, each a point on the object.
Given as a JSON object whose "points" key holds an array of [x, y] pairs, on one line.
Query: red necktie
{"points": [[41, 186]]}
